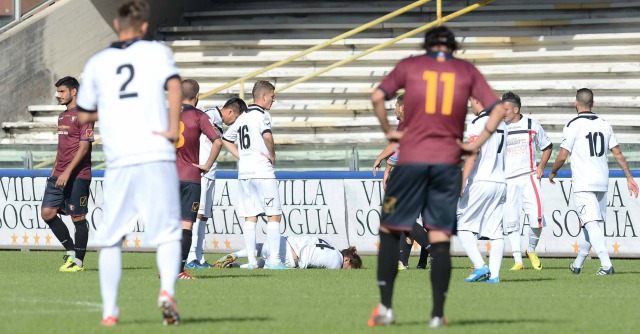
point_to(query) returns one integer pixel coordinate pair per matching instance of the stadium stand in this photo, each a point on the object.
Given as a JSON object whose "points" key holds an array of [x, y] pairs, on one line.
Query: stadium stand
{"points": [[544, 51]]}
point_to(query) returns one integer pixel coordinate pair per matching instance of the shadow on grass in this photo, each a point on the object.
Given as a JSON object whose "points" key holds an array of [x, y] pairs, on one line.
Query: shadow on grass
{"points": [[475, 322], [626, 272], [231, 276], [524, 280], [124, 268], [187, 321]]}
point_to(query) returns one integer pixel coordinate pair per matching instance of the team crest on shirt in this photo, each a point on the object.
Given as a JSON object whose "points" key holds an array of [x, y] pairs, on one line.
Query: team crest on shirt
{"points": [[73, 118], [89, 133], [389, 205]]}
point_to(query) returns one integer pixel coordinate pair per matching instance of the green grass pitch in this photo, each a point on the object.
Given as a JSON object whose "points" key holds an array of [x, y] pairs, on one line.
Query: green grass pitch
{"points": [[36, 298]]}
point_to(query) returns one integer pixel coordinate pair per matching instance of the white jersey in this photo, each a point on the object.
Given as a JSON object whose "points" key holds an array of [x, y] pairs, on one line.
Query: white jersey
{"points": [[206, 144], [247, 131], [489, 165], [315, 253], [126, 84], [588, 137], [524, 139]]}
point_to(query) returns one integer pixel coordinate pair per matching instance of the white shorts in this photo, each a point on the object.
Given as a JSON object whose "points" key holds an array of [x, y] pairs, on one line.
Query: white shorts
{"points": [[285, 253], [208, 187], [590, 206], [523, 194], [480, 209], [258, 197], [133, 193]]}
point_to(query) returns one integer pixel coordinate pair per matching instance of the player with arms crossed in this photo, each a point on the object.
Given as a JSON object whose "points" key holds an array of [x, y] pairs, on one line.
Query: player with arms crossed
{"points": [[481, 206], [427, 178], [227, 115], [301, 252], [193, 123], [525, 137], [258, 188], [125, 86], [586, 138], [67, 189]]}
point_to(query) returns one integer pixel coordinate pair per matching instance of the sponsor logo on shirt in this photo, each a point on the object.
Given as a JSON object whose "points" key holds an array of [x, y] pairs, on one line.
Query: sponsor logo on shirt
{"points": [[268, 202]]}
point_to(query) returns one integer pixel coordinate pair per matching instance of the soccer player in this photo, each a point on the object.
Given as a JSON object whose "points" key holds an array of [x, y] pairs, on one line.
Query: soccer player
{"points": [[258, 188], [227, 115], [67, 188], [427, 179], [193, 123], [124, 85], [525, 137], [481, 206], [301, 252], [586, 139]]}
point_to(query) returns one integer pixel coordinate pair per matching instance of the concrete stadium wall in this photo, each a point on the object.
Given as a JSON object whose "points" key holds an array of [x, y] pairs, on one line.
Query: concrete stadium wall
{"points": [[57, 42]]}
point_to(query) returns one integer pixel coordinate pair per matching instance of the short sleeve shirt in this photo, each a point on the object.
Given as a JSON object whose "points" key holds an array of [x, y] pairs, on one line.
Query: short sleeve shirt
{"points": [[70, 134]]}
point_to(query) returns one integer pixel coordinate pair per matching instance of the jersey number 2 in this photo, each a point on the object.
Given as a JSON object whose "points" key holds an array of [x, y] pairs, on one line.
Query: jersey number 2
{"points": [[596, 143], [245, 140], [433, 79], [123, 88]]}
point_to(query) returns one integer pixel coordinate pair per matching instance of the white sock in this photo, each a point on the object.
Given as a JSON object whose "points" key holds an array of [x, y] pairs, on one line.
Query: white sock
{"points": [[469, 243], [596, 236], [169, 261], [516, 248], [249, 232], [71, 253], [199, 239], [583, 251], [194, 242], [495, 257], [273, 236], [110, 270], [534, 237]]}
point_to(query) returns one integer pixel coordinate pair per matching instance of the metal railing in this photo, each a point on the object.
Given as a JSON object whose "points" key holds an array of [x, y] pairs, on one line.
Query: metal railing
{"points": [[18, 8]]}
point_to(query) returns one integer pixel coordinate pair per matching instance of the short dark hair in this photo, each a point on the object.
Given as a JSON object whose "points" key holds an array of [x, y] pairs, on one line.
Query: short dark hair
{"points": [[512, 97], [69, 82], [400, 99], [261, 86], [132, 13], [190, 89], [584, 96], [236, 104], [440, 36], [354, 259]]}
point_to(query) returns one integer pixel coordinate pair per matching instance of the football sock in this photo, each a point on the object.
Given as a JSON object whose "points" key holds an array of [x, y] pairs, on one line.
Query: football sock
{"points": [[388, 256], [469, 243], [440, 276], [516, 246], [82, 237], [583, 250], [596, 236], [110, 265], [534, 237], [187, 236], [249, 233], [419, 234], [198, 239], [424, 256], [273, 236], [405, 249], [168, 259], [495, 256], [61, 232]]}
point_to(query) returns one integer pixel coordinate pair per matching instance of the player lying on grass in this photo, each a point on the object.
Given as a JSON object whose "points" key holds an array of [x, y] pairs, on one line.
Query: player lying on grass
{"points": [[300, 252]]}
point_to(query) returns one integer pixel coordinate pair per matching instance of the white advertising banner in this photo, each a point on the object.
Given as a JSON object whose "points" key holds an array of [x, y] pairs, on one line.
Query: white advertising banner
{"points": [[345, 212]]}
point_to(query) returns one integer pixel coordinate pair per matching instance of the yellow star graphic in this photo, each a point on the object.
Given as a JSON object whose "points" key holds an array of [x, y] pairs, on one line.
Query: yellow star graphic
{"points": [[125, 243], [14, 238], [488, 245], [48, 238], [216, 244], [378, 245], [576, 247], [36, 239], [415, 245], [136, 241], [616, 248], [25, 239], [227, 243]]}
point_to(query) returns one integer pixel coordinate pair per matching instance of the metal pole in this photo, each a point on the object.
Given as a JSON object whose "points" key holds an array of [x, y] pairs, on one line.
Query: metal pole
{"points": [[16, 10], [439, 12]]}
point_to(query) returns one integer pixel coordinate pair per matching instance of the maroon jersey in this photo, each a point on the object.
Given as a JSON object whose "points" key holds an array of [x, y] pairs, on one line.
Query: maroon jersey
{"points": [[193, 123], [400, 126], [70, 134], [437, 87]]}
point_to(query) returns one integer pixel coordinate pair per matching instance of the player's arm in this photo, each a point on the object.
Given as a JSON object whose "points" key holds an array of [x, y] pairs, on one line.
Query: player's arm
{"points": [[385, 177], [83, 148], [85, 116], [387, 152], [546, 154], [174, 96], [495, 118], [216, 147], [560, 160], [271, 147], [469, 164], [231, 147], [622, 162], [378, 98]]}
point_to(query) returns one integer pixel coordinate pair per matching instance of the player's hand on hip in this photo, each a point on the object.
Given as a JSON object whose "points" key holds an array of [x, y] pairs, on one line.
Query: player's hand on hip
{"points": [[172, 136], [539, 173], [552, 175], [394, 136], [633, 187], [202, 168], [271, 159], [468, 148], [64, 178]]}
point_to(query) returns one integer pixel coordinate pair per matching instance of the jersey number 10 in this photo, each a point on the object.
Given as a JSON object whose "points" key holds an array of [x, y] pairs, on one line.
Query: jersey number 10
{"points": [[596, 143], [433, 80]]}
